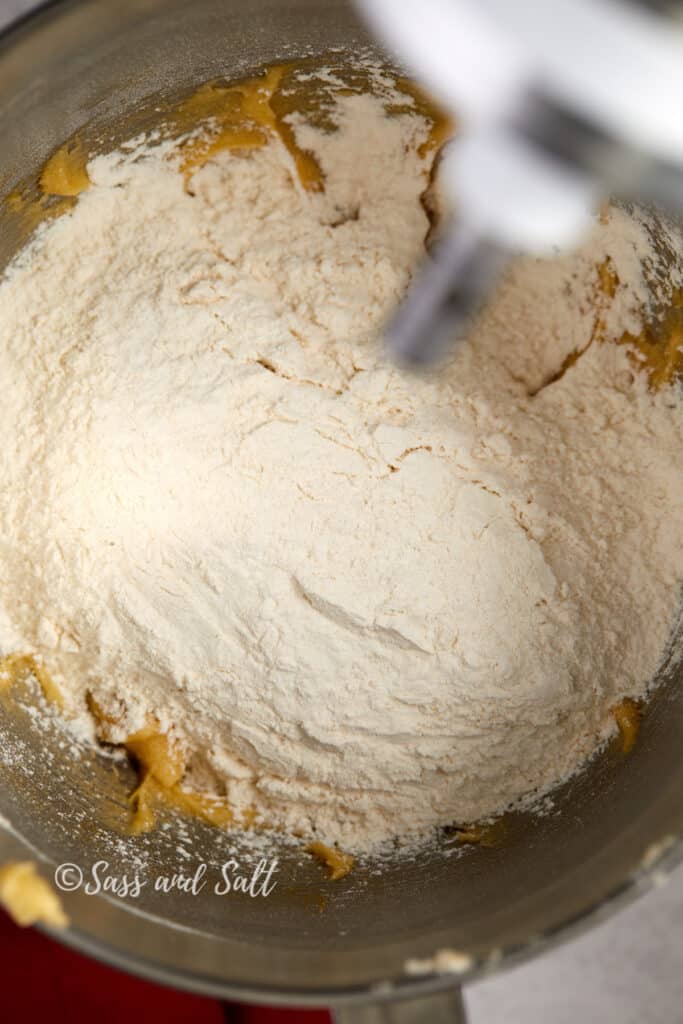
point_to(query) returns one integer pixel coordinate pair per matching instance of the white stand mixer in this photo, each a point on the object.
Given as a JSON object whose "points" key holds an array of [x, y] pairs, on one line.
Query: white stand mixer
{"points": [[559, 104]]}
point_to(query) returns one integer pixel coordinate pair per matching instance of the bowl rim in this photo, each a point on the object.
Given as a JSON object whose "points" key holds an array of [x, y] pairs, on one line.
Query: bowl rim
{"points": [[651, 873]]}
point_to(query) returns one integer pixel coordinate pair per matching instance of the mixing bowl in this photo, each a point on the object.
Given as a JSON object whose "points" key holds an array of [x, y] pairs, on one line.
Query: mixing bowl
{"points": [[101, 69]]}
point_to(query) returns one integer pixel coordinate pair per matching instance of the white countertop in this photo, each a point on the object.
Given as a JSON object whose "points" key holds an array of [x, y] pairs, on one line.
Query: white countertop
{"points": [[626, 971]]}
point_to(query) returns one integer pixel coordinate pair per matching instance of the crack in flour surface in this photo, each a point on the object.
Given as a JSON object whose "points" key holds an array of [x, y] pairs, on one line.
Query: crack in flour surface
{"points": [[363, 603]]}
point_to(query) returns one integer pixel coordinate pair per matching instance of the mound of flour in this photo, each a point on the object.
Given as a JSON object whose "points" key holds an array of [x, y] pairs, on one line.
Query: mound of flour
{"points": [[363, 602]]}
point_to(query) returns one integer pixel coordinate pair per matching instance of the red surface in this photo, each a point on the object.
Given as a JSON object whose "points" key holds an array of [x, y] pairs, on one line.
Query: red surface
{"points": [[41, 979]]}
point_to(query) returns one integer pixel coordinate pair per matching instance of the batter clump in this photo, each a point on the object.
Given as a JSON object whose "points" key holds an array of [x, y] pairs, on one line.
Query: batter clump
{"points": [[335, 598]]}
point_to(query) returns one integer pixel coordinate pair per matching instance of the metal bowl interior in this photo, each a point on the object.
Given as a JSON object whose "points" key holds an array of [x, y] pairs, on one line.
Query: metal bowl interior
{"points": [[99, 68]]}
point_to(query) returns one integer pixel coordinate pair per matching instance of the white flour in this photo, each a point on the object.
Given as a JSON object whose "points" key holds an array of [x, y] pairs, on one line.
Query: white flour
{"points": [[366, 603]]}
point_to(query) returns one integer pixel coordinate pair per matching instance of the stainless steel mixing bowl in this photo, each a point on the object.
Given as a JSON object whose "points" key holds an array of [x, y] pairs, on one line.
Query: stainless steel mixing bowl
{"points": [[100, 68]]}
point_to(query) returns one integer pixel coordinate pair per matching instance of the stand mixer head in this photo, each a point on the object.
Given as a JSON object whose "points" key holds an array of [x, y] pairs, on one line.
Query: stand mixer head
{"points": [[559, 105]]}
